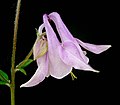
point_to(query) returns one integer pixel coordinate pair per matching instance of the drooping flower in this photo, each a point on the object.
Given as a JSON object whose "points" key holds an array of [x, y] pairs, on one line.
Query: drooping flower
{"points": [[57, 58]]}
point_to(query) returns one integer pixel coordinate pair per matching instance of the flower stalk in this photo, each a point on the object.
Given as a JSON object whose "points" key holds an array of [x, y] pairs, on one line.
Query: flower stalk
{"points": [[12, 85]]}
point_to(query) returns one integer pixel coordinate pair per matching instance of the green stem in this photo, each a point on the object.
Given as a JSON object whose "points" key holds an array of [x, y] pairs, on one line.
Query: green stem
{"points": [[12, 85], [12, 89]]}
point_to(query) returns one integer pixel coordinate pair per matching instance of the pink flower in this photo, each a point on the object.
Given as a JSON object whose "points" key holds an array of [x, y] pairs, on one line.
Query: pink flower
{"points": [[57, 58]]}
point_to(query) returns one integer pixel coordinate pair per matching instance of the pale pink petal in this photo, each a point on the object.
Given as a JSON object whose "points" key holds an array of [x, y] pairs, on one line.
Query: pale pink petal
{"points": [[41, 29], [71, 58], [65, 34], [39, 48], [71, 47], [36, 47], [97, 49], [40, 73], [61, 28], [57, 68], [38, 43]]}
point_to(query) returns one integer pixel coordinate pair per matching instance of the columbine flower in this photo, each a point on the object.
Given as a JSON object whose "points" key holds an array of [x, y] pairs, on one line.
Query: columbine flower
{"points": [[57, 58]]}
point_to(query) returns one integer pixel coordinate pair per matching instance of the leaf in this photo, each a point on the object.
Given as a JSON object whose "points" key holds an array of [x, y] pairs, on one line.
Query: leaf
{"points": [[3, 76], [22, 71], [20, 67], [24, 63], [2, 83], [27, 63]]}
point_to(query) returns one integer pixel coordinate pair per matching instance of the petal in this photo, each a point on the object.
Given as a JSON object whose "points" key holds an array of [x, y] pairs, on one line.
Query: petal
{"points": [[71, 47], [61, 28], [40, 48], [41, 28], [64, 33], [97, 49], [36, 47], [57, 68], [72, 59], [40, 73], [53, 42]]}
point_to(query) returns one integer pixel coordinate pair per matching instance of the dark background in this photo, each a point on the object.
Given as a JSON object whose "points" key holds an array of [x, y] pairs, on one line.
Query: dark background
{"points": [[92, 22]]}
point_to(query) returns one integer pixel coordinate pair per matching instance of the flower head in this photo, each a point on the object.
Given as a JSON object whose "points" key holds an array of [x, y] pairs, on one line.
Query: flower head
{"points": [[57, 58]]}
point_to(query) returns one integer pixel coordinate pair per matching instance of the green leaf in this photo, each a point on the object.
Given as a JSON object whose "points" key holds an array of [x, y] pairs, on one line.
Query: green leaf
{"points": [[22, 71], [24, 63], [29, 61], [20, 67], [3, 76], [2, 83]]}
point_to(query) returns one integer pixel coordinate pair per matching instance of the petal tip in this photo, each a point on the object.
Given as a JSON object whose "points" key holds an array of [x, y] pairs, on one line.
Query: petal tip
{"points": [[109, 46], [106, 47], [21, 86], [24, 85], [96, 71]]}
